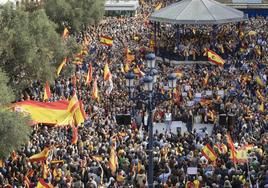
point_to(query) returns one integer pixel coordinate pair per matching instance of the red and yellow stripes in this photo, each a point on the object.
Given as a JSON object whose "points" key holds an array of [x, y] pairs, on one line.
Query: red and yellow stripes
{"points": [[108, 41], [54, 113], [215, 58], [209, 153], [47, 93], [42, 156]]}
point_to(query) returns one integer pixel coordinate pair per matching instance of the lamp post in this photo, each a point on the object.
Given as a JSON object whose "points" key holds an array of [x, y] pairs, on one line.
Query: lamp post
{"points": [[151, 99]]}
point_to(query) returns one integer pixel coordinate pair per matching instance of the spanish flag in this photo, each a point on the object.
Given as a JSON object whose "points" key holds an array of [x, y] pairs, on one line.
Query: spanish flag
{"points": [[222, 148], [95, 91], [158, 6], [232, 147], [57, 161], [47, 93], [130, 58], [259, 95], [261, 108], [61, 66], [241, 155], [89, 74], [107, 74], [126, 68], [74, 135], [209, 153], [215, 58], [80, 114], [259, 81], [97, 158], [108, 41], [45, 169], [42, 184], [206, 79], [42, 156], [54, 113], [65, 33], [27, 182], [47, 113], [113, 161]]}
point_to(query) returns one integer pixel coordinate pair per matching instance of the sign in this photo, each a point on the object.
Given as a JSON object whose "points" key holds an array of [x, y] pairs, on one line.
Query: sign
{"points": [[192, 170], [247, 1], [221, 93], [184, 94], [209, 93], [187, 88], [190, 103]]}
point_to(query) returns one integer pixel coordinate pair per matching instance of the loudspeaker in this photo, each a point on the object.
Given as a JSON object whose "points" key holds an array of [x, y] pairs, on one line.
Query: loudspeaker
{"points": [[222, 119], [119, 119], [231, 122], [123, 119]]}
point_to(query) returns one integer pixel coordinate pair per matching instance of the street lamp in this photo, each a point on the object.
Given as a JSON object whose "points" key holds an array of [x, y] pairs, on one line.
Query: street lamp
{"points": [[151, 99]]}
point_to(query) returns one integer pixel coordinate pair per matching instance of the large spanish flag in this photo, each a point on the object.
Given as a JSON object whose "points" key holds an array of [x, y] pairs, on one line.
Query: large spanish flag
{"points": [[47, 93], [54, 113], [46, 112], [209, 153], [215, 58], [42, 156], [108, 41], [107, 74]]}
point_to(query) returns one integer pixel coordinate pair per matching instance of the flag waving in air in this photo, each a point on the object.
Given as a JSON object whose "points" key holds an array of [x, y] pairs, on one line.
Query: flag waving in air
{"points": [[65, 33], [47, 93], [215, 58], [61, 66], [113, 160], [89, 74], [108, 41], [95, 91], [107, 74], [209, 153], [232, 147], [42, 156]]}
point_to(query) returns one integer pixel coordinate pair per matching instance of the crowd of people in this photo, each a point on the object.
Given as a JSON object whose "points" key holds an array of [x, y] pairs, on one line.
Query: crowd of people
{"points": [[205, 91]]}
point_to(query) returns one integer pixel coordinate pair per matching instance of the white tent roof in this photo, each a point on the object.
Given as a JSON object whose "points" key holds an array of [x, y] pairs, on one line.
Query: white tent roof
{"points": [[197, 12]]}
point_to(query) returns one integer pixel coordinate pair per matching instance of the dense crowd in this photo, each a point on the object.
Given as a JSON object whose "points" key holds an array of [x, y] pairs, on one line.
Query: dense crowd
{"points": [[231, 89]]}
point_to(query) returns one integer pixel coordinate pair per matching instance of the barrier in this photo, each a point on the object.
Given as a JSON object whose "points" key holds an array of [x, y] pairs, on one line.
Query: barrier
{"points": [[179, 126]]}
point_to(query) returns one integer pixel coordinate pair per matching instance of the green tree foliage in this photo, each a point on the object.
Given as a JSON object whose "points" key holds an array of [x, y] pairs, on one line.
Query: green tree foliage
{"points": [[30, 47], [75, 14], [14, 130], [6, 94]]}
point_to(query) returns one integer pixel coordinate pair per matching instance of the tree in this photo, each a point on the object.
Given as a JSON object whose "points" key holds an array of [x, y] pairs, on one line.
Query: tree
{"points": [[14, 131], [30, 47], [75, 14], [6, 94]]}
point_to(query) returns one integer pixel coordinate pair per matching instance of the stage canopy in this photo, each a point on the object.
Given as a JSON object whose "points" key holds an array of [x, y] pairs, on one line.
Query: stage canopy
{"points": [[197, 12]]}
